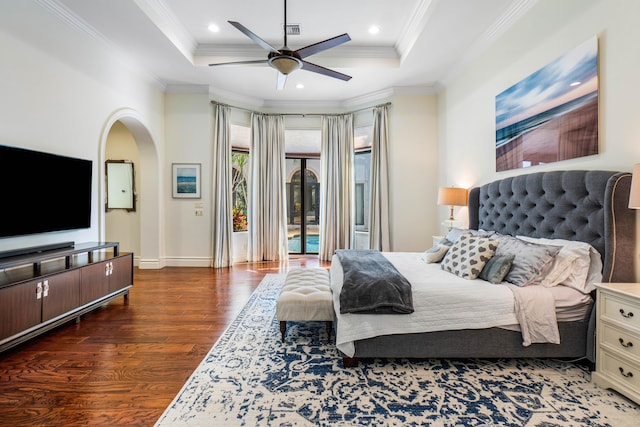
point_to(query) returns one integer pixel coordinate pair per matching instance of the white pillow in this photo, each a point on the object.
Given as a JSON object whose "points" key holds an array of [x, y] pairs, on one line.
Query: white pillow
{"points": [[577, 265], [436, 253]]}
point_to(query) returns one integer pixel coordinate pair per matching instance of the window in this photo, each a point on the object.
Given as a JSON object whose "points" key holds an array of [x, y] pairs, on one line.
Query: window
{"points": [[239, 172], [240, 162], [362, 160]]}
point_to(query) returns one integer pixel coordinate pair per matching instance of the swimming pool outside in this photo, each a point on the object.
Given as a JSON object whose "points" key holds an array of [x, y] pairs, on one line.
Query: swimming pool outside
{"points": [[313, 243]]}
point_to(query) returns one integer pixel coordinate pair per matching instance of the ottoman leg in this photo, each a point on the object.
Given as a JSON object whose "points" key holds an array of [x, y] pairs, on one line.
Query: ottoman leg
{"points": [[329, 325], [283, 328]]}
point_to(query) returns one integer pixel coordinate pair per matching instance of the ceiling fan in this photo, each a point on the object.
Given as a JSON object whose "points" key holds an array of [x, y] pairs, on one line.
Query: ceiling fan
{"points": [[285, 60]]}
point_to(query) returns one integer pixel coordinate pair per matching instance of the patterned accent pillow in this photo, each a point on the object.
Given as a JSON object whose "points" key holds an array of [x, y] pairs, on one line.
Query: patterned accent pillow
{"points": [[497, 268], [468, 255]]}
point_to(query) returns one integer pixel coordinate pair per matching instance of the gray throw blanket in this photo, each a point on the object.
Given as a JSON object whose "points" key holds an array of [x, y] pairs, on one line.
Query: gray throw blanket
{"points": [[372, 285]]}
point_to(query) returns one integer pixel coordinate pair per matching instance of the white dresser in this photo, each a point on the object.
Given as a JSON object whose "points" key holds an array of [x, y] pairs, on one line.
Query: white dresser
{"points": [[618, 338]]}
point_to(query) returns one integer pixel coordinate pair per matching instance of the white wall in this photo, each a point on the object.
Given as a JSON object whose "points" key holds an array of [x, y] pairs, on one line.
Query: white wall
{"points": [[466, 108], [550, 29], [189, 138], [413, 171], [60, 104]]}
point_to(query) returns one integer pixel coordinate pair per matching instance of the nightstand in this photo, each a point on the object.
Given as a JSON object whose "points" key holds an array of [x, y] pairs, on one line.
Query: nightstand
{"points": [[618, 338]]}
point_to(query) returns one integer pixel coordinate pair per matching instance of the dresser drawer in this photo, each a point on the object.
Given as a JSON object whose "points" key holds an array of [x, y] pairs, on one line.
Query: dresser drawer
{"points": [[620, 370], [621, 340], [619, 310]]}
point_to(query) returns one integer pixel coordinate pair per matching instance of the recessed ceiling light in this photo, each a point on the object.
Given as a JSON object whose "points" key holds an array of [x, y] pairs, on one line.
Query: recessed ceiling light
{"points": [[213, 28], [299, 86], [374, 30]]}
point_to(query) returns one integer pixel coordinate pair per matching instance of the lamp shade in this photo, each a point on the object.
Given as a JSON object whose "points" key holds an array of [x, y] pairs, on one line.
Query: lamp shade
{"points": [[453, 196], [634, 195]]}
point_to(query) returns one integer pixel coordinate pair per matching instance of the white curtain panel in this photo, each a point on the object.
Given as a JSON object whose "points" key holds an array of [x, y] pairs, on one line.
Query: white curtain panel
{"points": [[267, 205], [336, 185], [379, 212], [221, 200]]}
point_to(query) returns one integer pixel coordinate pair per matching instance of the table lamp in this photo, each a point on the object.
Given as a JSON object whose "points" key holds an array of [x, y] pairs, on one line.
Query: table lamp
{"points": [[454, 196]]}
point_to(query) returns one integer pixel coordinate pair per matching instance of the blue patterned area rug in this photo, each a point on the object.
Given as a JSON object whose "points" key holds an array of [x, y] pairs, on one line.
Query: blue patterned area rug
{"points": [[249, 378]]}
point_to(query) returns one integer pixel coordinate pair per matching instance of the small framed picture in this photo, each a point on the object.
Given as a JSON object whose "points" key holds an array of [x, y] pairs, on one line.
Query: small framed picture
{"points": [[186, 180]]}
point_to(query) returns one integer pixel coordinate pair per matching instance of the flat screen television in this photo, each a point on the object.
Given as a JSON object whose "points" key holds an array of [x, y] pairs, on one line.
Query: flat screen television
{"points": [[43, 192]]}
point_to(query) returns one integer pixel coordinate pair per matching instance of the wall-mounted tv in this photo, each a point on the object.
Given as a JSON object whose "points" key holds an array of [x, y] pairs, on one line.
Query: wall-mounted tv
{"points": [[43, 192]]}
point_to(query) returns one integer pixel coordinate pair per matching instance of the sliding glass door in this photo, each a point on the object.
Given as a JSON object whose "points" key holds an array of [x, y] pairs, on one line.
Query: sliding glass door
{"points": [[303, 205]]}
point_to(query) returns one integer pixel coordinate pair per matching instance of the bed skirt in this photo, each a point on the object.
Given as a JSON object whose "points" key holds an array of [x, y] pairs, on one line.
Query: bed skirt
{"points": [[476, 343]]}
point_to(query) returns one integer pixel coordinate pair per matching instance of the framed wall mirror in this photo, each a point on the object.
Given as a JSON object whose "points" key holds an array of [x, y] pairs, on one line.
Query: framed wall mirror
{"points": [[121, 191]]}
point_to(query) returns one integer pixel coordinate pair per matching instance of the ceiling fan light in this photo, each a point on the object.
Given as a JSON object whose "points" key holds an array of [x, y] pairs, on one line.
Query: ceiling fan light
{"points": [[285, 64]]}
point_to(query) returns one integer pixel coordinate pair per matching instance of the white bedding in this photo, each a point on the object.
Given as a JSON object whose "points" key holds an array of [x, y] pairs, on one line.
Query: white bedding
{"points": [[442, 301]]}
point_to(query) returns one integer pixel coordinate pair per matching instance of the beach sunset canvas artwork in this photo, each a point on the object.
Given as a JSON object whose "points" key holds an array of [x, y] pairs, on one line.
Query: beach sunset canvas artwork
{"points": [[551, 115]]}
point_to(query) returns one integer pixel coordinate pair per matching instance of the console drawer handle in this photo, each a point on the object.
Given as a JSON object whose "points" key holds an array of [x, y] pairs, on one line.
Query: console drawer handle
{"points": [[627, 315], [627, 345], [625, 374]]}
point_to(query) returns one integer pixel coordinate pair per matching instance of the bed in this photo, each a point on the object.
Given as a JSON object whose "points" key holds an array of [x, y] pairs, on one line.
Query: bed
{"points": [[580, 206]]}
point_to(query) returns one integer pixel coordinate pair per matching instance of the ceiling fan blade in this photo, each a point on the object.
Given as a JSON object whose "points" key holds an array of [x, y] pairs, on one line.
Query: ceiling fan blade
{"points": [[263, 44], [257, 61], [312, 49], [282, 79], [326, 71]]}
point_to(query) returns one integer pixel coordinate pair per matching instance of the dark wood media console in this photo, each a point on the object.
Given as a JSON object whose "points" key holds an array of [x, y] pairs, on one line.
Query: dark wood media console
{"points": [[42, 290]]}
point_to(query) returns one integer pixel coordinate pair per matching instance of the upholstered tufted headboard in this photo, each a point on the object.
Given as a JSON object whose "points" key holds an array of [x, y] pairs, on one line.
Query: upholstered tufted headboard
{"points": [[589, 206]]}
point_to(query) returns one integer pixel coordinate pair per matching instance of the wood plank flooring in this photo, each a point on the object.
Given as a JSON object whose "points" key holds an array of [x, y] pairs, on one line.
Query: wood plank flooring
{"points": [[124, 363]]}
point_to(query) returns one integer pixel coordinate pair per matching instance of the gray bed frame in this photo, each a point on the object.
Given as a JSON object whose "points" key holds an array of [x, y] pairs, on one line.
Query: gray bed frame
{"points": [[588, 206]]}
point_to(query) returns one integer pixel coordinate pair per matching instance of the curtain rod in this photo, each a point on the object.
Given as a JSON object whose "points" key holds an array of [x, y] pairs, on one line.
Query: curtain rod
{"points": [[299, 114]]}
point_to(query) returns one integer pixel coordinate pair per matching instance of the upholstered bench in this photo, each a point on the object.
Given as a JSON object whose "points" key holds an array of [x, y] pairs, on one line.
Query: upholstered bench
{"points": [[305, 296]]}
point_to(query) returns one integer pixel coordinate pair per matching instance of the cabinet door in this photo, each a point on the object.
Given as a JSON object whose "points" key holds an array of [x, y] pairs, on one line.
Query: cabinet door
{"points": [[121, 272], [20, 308], [94, 282], [61, 294]]}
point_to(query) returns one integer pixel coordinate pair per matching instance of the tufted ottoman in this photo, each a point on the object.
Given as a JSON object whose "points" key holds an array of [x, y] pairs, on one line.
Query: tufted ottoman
{"points": [[305, 296]]}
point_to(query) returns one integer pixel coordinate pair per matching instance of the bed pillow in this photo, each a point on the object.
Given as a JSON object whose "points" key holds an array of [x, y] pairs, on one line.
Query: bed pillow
{"points": [[468, 255], [454, 234], [496, 269], [437, 252], [531, 260], [577, 265]]}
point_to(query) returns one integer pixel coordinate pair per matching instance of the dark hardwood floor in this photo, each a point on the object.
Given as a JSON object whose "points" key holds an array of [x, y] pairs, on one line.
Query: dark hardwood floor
{"points": [[124, 363]]}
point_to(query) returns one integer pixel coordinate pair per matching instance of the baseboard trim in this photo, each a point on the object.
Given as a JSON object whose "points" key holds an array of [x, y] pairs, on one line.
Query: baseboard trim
{"points": [[187, 262], [149, 264]]}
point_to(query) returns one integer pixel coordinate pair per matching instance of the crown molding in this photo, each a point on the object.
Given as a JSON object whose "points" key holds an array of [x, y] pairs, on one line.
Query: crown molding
{"points": [[416, 90], [232, 98], [186, 88], [416, 25], [300, 106], [373, 98], [490, 36], [369, 98], [167, 22], [72, 20]]}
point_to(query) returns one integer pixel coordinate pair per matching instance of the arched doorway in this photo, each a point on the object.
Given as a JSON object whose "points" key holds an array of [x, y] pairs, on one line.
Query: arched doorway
{"points": [[149, 190], [303, 205]]}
